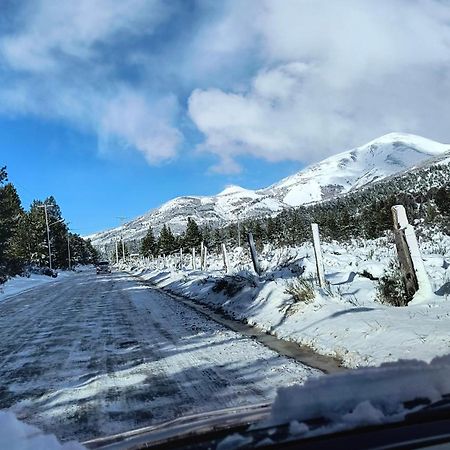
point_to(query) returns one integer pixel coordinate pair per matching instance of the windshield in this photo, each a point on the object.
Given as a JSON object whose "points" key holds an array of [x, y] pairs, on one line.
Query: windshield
{"points": [[205, 203]]}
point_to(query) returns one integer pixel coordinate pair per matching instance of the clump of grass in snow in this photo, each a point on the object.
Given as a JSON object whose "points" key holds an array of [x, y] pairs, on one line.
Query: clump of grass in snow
{"points": [[391, 289], [301, 290]]}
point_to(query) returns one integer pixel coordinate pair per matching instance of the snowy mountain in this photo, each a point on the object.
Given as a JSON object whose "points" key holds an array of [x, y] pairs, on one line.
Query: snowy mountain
{"points": [[217, 210], [338, 174], [341, 173]]}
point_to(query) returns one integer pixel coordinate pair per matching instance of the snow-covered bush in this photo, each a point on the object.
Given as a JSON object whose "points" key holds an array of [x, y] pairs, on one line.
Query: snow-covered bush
{"points": [[391, 289], [231, 286]]}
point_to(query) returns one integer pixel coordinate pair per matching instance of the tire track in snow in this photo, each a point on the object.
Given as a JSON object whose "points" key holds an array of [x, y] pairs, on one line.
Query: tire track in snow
{"points": [[90, 356]]}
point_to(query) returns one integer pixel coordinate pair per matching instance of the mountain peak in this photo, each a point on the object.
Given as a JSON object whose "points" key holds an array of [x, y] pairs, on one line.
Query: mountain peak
{"points": [[419, 143], [231, 189], [395, 136], [355, 168]]}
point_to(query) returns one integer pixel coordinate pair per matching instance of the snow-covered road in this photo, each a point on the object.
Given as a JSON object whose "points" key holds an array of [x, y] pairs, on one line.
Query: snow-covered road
{"points": [[93, 355]]}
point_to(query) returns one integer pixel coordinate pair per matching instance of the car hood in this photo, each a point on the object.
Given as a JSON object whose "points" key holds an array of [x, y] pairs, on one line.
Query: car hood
{"points": [[196, 424], [322, 405]]}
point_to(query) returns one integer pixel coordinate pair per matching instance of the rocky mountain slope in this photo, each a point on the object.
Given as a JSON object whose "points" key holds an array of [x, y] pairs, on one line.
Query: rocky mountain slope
{"points": [[336, 175]]}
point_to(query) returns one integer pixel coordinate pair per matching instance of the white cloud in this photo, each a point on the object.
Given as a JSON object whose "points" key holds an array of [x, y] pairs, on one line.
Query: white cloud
{"points": [[274, 79], [60, 64], [54, 30], [334, 75], [130, 119], [219, 48]]}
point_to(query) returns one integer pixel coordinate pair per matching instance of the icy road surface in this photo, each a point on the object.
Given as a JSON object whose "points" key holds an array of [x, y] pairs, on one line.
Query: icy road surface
{"points": [[93, 355]]}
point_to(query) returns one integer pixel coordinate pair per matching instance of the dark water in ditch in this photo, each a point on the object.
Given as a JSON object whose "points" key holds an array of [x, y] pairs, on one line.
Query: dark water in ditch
{"points": [[302, 354]]}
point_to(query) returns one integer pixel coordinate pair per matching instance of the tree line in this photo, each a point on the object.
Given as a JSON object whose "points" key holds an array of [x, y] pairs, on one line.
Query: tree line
{"points": [[23, 234], [168, 243], [364, 213]]}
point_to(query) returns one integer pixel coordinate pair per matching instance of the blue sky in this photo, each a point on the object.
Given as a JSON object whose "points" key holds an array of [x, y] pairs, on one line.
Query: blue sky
{"points": [[115, 107], [49, 159]]}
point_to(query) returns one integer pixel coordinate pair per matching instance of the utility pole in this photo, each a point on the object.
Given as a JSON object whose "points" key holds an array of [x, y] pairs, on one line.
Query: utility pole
{"points": [[68, 246], [48, 233], [68, 250], [122, 221]]}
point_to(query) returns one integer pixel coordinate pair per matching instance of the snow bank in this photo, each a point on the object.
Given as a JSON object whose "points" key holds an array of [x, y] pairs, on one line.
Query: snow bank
{"points": [[17, 435], [363, 396], [19, 284], [385, 387]]}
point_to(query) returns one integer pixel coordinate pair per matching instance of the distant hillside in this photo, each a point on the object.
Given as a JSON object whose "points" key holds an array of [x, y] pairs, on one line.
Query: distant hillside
{"points": [[339, 174]]}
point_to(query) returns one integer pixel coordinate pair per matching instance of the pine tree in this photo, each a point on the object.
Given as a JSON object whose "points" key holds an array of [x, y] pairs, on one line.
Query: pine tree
{"points": [[58, 234], [442, 197], [11, 213], [82, 251], [207, 235], [92, 254], [272, 230], [36, 237], [23, 235], [166, 241], [192, 236], [149, 246]]}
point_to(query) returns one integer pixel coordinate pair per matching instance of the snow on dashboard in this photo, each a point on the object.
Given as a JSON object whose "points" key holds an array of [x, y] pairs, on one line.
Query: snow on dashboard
{"points": [[361, 397], [17, 435]]}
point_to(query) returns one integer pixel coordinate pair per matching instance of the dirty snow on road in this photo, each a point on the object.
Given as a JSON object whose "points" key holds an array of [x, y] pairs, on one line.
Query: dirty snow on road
{"points": [[94, 355]]}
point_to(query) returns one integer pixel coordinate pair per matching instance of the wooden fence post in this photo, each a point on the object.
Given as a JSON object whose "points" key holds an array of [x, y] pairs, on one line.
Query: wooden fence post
{"points": [[318, 255], [225, 258], [194, 264], [410, 260], [205, 256], [202, 247], [254, 254]]}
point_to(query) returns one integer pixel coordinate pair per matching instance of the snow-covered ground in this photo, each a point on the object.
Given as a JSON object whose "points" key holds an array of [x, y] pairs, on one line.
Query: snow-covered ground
{"points": [[19, 284], [92, 355], [346, 320], [87, 355]]}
